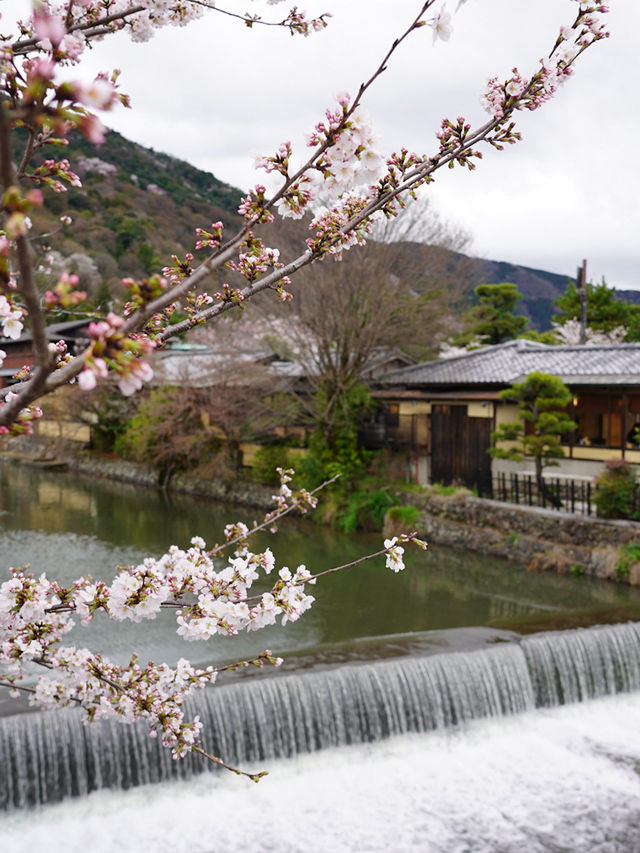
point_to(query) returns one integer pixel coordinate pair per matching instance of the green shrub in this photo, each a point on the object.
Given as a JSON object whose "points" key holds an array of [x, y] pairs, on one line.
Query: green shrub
{"points": [[629, 554], [408, 515], [577, 570], [365, 511], [265, 462], [616, 490]]}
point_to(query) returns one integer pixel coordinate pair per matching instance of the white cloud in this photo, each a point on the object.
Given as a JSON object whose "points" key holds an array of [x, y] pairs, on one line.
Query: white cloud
{"points": [[217, 95]]}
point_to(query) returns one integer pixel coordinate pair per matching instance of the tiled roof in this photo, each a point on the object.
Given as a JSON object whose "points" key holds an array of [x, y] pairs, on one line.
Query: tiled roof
{"points": [[202, 369], [54, 332], [504, 364]]}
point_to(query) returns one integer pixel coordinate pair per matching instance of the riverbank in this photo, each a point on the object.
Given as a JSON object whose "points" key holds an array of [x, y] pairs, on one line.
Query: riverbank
{"points": [[540, 539], [92, 464]]}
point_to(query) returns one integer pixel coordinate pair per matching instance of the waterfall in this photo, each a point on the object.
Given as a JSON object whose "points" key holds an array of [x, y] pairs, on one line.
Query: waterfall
{"points": [[49, 756]]}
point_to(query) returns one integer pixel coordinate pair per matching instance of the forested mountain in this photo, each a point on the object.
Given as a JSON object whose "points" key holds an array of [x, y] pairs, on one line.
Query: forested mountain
{"points": [[137, 207], [539, 289]]}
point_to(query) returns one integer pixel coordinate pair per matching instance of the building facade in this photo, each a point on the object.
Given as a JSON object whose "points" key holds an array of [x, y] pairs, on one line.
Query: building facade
{"points": [[438, 416]]}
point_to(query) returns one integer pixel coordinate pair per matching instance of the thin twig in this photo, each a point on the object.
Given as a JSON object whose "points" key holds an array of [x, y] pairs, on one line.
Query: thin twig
{"points": [[273, 520], [255, 777]]}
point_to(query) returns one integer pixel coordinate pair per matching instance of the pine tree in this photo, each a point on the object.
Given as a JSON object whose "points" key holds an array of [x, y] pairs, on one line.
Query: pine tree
{"points": [[542, 400]]}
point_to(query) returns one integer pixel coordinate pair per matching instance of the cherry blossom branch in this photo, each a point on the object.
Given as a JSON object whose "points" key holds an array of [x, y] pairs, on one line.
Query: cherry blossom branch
{"points": [[295, 21], [348, 113], [23, 46], [27, 154], [227, 251], [259, 661], [392, 550], [255, 777], [27, 286], [274, 518], [35, 615]]}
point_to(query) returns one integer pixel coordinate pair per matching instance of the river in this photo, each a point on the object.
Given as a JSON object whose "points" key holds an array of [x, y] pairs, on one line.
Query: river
{"points": [[68, 526], [527, 777]]}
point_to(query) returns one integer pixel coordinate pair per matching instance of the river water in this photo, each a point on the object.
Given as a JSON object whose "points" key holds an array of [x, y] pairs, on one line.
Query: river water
{"points": [[560, 779], [69, 526]]}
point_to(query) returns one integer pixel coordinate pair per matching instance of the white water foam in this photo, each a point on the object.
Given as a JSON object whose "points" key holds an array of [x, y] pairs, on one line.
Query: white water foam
{"points": [[563, 780]]}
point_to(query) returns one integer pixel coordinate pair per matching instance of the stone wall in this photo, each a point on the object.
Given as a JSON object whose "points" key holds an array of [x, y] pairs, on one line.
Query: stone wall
{"points": [[542, 540], [234, 491], [114, 468]]}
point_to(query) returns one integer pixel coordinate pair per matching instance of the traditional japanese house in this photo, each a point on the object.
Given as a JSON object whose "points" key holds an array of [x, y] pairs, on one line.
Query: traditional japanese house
{"points": [[438, 416]]}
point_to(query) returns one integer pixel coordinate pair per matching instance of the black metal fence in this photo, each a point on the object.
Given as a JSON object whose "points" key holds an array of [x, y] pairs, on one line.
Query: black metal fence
{"points": [[562, 493]]}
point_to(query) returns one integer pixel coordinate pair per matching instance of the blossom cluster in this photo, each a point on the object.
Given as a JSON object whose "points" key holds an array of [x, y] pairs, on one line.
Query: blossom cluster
{"points": [[519, 92], [569, 333], [22, 424], [209, 596], [10, 316], [395, 553], [346, 158], [64, 293], [124, 354], [337, 229]]}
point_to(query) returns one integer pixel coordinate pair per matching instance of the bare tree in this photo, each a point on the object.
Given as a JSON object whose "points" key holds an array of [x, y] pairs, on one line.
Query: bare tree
{"points": [[394, 294]]}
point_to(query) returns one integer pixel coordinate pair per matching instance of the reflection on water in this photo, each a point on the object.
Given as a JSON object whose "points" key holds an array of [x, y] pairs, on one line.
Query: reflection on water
{"points": [[69, 526]]}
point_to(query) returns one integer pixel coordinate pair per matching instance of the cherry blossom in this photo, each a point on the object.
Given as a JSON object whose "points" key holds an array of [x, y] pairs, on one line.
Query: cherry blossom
{"points": [[394, 559], [10, 318], [207, 597], [342, 182], [441, 25]]}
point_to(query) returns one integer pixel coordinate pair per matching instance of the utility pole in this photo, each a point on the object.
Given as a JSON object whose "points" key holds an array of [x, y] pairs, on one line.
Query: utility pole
{"points": [[581, 283]]}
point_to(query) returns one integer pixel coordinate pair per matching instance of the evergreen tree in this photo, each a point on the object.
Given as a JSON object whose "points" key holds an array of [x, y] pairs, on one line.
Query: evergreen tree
{"points": [[605, 311], [492, 320], [542, 400]]}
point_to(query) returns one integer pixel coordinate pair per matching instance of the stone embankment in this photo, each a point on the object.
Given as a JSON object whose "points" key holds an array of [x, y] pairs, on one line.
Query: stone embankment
{"points": [[233, 491], [540, 539], [93, 464]]}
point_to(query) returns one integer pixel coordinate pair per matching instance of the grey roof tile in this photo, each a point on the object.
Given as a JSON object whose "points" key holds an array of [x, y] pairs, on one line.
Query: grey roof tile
{"points": [[504, 364]]}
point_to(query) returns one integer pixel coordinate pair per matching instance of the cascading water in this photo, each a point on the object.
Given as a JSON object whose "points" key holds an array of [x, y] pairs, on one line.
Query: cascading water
{"points": [[49, 756]]}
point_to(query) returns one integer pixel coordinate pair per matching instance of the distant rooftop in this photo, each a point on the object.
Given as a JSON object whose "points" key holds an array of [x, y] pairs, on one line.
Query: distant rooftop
{"points": [[504, 364], [54, 331]]}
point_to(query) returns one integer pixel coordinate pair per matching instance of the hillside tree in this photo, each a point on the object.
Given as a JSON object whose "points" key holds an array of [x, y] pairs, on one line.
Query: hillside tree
{"points": [[605, 312]]}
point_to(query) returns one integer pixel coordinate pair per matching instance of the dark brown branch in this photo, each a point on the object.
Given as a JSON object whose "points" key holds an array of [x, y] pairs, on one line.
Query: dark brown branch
{"points": [[22, 47], [255, 777]]}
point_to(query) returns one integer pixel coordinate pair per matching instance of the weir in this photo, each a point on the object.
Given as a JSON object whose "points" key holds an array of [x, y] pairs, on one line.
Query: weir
{"points": [[49, 756]]}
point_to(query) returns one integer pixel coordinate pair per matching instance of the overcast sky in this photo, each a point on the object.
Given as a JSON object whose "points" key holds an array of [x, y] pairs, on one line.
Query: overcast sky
{"points": [[218, 94]]}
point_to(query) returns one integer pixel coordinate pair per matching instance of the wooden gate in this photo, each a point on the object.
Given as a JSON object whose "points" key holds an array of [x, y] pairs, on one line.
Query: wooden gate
{"points": [[459, 447]]}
